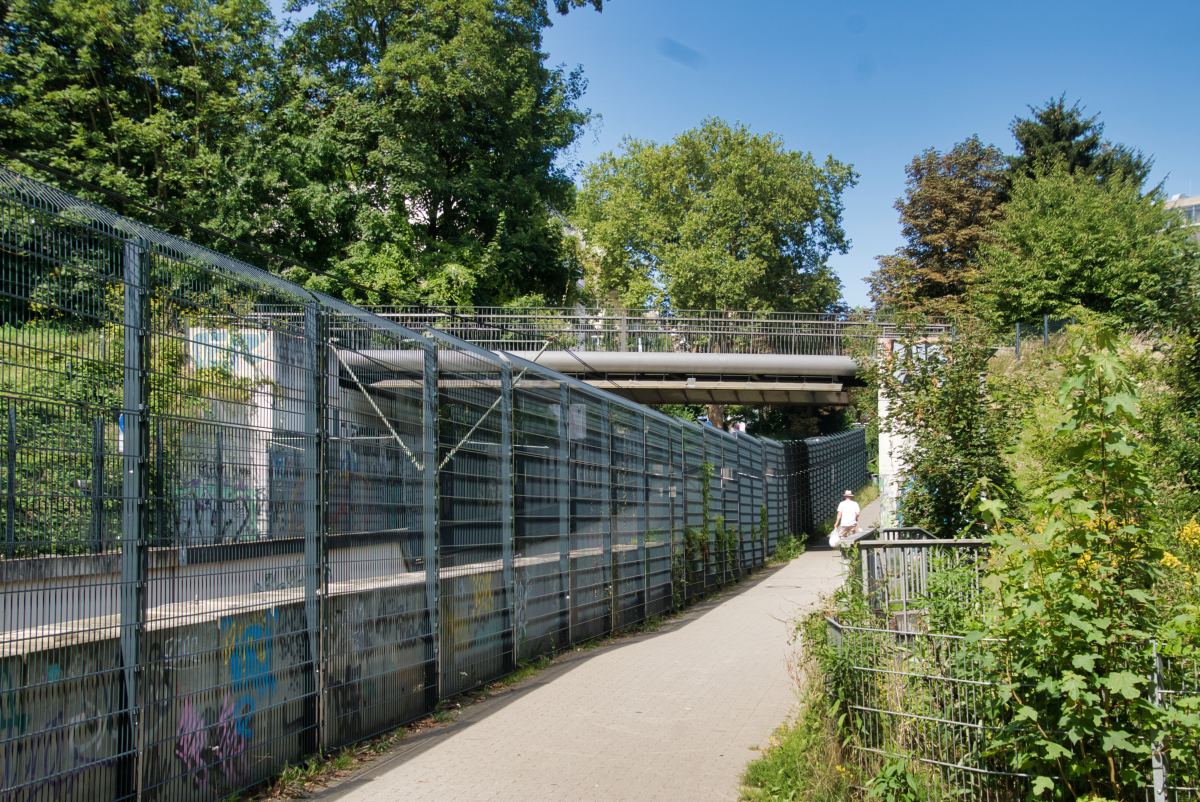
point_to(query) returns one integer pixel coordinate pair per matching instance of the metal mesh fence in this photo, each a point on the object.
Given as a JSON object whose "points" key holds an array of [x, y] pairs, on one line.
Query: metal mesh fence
{"points": [[819, 470], [918, 692], [244, 522]]}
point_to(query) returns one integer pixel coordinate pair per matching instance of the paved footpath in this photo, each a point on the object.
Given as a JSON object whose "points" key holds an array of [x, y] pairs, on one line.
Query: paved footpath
{"points": [[670, 715]]}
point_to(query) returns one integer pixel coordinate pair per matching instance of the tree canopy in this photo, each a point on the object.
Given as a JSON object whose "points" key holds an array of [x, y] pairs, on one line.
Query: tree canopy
{"points": [[1053, 133], [719, 218], [1067, 240], [410, 146], [950, 203], [148, 98]]}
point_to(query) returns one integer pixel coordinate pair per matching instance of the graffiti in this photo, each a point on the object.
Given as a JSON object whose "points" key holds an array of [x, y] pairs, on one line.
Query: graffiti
{"points": [[49, 762], [233, 736], [472, 614], [282, 579], [191, 740], [223, 744], [246, 646], [79, 736], [348, 703], [236, 516], [90, 738], [520, 607]]}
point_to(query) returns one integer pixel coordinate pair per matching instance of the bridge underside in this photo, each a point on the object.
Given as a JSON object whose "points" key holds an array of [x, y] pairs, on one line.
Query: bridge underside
{"points": [[687, 378], [671, 377], [688, 391]]}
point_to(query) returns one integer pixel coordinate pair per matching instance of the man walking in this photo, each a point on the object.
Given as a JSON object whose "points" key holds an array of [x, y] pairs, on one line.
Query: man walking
{"points": [[846, 523]]}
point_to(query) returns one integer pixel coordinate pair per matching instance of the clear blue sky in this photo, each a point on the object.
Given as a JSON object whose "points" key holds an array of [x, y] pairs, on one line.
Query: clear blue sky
{"points": [[876, 83]]}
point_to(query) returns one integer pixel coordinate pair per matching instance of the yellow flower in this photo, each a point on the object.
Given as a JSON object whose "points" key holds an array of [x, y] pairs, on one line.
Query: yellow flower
{"points": [[1189, 535], [1170, 560]]}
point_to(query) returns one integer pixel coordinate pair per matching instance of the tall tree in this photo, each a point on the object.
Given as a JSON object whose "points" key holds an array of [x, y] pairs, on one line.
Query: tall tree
{"points": [[148, 98], [719, 218], [1067, 240], [1055, 133], [951, 201], [443, 122]]}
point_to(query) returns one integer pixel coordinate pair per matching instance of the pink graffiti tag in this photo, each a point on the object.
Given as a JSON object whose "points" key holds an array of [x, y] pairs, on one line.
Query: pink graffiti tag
{"points": [[192, 738], [231, 746]]}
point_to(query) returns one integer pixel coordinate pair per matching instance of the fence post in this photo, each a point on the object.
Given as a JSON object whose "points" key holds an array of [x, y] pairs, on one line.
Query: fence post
{"points": [[315, 441], [1045, 331], [1018, 342], [1157, 766], [219, 534], [429, 408], [506, 506], [133, 508], [641, 530], [96, 535], [564, 507], [10, 496], [607, 507]]}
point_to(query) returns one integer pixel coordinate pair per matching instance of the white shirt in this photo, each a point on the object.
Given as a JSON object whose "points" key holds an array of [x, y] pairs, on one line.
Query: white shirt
{"points": [[849, 510]]}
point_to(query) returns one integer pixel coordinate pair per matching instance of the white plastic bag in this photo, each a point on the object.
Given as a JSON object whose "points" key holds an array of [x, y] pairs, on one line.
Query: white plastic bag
{"points": [[833, 539]]}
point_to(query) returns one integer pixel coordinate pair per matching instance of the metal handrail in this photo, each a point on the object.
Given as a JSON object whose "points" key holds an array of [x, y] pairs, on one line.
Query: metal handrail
{"points": [[636, 330]]}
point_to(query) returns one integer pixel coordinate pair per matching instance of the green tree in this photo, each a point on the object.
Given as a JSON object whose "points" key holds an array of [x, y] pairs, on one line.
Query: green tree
{"points": [[719, 218], [148, 98], [951, 202], [1056, 134], [955, 426], [441, 124], [1067, 240]]}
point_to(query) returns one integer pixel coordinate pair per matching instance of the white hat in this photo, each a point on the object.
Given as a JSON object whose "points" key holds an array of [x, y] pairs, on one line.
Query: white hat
{"points": [[847, 493]]}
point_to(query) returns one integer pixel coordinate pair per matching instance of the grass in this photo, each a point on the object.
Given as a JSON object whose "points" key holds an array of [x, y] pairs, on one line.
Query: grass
{"points": [[787, 549], [867, 494], [804, 761]]}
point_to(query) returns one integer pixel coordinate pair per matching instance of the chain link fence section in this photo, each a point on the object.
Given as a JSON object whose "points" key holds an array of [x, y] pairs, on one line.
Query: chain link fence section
{"points": [[245, 522]]}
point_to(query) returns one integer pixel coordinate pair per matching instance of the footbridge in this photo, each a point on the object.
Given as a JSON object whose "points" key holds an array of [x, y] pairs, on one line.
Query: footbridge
{"points": [[683, 357]]}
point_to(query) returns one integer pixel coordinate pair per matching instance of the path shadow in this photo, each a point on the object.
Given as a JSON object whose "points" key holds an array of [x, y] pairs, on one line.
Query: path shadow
{"points": [[561, 665]]}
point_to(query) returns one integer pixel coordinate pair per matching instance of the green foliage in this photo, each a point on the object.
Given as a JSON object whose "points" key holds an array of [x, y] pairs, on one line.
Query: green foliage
{"points": [[410, 147], [697, 555], [951, 201], [1067, 240], [456, 124], [895, 783], [1056, 134], [149, 98], [789, 548], [727, 542], [803, 762], [1075, 600], [958, 427], [684, 412], [790, 422], [1172, 415], [720, 218]]}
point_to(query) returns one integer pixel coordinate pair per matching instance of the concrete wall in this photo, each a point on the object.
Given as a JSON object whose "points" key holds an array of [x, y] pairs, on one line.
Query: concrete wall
{"points": [[228, 697]]}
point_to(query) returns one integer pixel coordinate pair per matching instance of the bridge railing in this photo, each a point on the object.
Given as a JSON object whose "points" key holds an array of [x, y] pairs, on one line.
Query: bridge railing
{"points": [[634, 330]]}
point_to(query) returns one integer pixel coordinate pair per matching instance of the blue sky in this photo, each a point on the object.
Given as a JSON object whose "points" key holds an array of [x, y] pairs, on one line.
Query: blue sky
{"points": [[876, 83]]}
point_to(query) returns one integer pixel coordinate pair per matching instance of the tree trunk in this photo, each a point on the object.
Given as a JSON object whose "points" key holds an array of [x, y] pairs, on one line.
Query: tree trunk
{"points": [[716, 415]]}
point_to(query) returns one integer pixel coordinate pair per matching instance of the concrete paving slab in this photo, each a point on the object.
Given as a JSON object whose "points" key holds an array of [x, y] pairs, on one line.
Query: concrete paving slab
{"points": [[670, 715]]}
